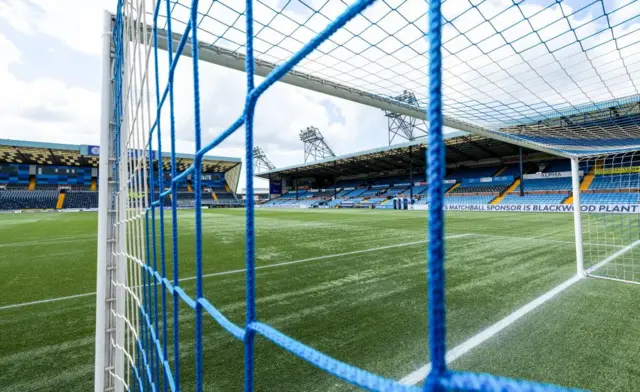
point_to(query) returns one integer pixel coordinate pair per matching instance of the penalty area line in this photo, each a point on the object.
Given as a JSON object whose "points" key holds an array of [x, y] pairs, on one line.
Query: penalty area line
{"points": [[355, 252], [463, 348]]}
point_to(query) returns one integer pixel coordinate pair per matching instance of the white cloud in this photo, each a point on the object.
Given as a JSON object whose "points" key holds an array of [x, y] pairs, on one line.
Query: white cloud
{"points": [[43, 109], [78, 23]]}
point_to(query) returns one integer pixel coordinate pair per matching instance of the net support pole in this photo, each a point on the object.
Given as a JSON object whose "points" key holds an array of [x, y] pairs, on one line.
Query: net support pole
{"points": [[410, 173], [521, 171], [577, 219], [101, 349]]}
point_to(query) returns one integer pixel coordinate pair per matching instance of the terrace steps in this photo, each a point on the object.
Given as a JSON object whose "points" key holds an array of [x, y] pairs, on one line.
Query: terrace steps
{"points": [[503, 168], [60, 202], [586, 181], [504, 193], [452, 188]]}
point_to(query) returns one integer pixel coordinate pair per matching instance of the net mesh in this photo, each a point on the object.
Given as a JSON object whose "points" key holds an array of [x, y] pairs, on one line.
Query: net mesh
{"points": [[610, 198], [508, 68], [562, 74]]}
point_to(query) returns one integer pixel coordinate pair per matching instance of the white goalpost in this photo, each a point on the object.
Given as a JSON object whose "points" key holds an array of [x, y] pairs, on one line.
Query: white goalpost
{"points": [[535, 79], [611, 203]]}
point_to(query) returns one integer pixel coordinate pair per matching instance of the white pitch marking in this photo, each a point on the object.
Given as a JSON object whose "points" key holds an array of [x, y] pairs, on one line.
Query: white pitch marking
{"points": [[542, 239], [42, 301], [420, 374], [613, 256], [355, 252]]}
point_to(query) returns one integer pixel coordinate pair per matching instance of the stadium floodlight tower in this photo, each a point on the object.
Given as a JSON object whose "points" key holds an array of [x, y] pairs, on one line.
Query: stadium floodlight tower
{"points": [[401, 125], [314, 144], [260, 160]]}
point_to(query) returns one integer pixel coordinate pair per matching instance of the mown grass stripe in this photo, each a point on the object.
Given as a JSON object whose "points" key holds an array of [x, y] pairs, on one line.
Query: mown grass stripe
{"points": [[355, 252]]}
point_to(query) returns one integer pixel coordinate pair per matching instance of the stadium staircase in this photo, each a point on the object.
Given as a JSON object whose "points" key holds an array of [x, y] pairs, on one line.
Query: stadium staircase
{"points": [[215, 197], [32, 183], [504, 193], [503, 168], [60, 202], [586, 182], [94, 184], [452, 188], [189, 188]]}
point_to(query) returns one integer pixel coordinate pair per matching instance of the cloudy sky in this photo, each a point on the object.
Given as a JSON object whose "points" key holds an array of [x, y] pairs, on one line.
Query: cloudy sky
{"points": [[50, 53]]}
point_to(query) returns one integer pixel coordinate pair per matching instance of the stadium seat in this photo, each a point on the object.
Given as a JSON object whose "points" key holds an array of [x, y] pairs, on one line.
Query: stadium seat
{"points": [[493, 187], [396, 190], [22, 200], [81, 199], [535, 199], [610, 198], [616, 181], [548, 184]]}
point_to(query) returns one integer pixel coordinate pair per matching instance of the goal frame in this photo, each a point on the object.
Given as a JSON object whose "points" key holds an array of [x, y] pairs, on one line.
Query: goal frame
{"points": [[110, 301]]}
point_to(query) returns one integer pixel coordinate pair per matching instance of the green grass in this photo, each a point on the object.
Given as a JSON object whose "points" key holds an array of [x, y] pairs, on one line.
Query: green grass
{"points": [[368, 309]]}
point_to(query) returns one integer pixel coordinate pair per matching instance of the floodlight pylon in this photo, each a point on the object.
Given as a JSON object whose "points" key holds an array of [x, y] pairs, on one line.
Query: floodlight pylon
{"points": [[260, 160], [314, 145], [403, 126]]}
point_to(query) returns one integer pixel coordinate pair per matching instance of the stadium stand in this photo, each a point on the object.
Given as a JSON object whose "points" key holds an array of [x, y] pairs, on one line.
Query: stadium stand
{"points": [[33, 175]]}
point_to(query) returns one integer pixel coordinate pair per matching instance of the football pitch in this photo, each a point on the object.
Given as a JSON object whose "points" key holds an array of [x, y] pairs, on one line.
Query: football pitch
{"points": [[350, 283]]}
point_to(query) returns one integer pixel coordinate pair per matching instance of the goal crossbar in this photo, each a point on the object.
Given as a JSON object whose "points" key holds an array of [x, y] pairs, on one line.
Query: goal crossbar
{"points": [[220, 56]]}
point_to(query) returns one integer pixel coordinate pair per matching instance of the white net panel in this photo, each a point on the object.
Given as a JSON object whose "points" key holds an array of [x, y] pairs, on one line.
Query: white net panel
{"points": [[131, 196], [564, 74], [610, 197]]}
